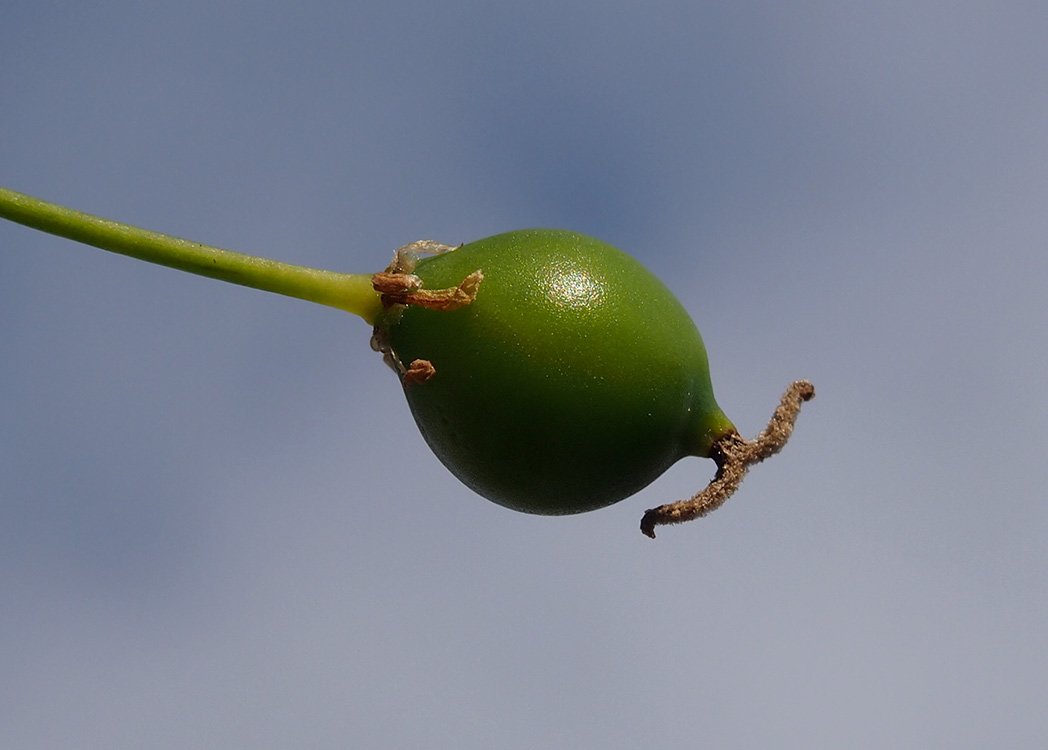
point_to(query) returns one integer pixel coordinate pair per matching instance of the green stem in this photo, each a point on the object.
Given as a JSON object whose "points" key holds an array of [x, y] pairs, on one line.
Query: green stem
{"points": [[346, 291]]}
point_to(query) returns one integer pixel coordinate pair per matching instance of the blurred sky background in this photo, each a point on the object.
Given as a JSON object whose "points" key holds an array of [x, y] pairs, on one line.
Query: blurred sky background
{"points": [[219, 526]]}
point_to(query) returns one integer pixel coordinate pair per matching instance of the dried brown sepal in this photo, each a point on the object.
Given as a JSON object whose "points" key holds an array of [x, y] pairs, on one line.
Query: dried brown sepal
{"points": [[406, 289], [734, 456], [395, 283], [419, 371]]}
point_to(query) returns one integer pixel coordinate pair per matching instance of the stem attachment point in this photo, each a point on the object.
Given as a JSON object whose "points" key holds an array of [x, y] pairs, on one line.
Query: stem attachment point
{"points": [[398, 288]]}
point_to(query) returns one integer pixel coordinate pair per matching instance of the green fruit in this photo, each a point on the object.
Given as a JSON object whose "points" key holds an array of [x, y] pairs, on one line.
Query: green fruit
{"points": [[571, 381]]}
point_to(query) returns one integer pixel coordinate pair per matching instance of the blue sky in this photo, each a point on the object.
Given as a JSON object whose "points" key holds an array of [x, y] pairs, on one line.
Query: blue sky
{"points": [[220, 528]]}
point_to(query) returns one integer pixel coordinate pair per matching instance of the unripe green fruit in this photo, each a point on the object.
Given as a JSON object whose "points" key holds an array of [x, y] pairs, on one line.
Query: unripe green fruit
{"points": [[571, 381]]}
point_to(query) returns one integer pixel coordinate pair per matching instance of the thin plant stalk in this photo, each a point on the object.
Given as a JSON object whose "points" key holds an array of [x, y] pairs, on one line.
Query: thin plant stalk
{"points": [[350, 292]]}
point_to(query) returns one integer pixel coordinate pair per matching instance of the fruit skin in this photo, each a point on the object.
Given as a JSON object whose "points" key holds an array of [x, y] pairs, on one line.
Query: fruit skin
{"points": [[572, 381]]}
